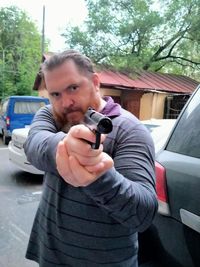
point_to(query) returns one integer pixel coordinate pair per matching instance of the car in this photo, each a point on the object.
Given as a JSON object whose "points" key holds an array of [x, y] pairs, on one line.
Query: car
{"points": [[18, 112], [160, 130], [16, 151], [153, 124], [173, 239]]}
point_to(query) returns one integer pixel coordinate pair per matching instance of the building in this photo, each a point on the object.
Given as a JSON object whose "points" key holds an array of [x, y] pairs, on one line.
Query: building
{"points": [[146, 94]]}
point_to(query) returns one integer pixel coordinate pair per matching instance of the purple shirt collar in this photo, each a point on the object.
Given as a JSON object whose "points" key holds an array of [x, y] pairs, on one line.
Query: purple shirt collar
{"points": [[111, 108]]}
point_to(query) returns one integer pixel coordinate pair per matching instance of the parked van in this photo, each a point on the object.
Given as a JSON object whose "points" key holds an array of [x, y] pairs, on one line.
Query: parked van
{"points": [[18, 112]]}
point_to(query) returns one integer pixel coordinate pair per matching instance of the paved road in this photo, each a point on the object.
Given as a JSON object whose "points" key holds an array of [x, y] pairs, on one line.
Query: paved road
{"points": [[19, 197]]}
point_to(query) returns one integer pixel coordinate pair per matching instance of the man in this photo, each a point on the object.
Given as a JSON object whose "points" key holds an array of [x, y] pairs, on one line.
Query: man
{"points": [[94, 201]]}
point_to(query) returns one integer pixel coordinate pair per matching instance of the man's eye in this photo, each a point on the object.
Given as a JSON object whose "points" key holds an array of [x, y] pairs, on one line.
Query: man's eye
{"points": [[55, 95], [73, 88]]}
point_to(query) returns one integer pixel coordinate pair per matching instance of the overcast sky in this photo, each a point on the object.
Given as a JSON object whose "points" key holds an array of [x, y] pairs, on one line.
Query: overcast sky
{"points": [[57, 14]]}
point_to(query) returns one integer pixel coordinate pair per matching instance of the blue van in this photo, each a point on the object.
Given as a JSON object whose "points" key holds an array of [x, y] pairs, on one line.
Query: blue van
{"points": [[18, 112]]}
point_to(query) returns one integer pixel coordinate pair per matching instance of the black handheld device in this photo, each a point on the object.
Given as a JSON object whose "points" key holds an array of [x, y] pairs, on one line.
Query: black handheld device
{"points": [[98, 123]]}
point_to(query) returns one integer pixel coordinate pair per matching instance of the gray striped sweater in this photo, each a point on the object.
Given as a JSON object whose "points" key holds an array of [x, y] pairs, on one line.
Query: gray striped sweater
{"points": [[96, 225]]}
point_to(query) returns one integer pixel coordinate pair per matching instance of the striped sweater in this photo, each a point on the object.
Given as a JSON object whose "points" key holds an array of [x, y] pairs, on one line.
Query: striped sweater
{"points": [[96, 225]]}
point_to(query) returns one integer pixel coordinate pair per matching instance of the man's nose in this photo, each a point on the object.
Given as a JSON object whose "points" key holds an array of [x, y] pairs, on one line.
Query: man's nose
{"points": [[66, 101]]}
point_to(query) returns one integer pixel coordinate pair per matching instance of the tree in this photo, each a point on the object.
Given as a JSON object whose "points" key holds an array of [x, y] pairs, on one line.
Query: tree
{"points": [[134, 34], [20, 52]]}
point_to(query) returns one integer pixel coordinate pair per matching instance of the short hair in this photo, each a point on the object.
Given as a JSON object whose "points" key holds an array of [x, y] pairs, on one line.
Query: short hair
{"points": [[83, 63]]}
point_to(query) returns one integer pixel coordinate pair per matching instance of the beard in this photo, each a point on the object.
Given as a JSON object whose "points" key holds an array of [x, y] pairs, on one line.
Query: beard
{"points": [[66, 119]]}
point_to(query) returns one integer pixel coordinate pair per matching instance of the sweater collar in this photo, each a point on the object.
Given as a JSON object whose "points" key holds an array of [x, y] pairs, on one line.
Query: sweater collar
{"points": [[111, 108]]}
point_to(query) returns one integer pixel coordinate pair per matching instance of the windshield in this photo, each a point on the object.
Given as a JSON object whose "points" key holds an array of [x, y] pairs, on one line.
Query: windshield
{"points": [[24, 107]]}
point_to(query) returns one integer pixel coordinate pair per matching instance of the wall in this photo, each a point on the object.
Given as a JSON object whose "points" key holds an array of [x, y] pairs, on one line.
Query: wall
{"points": [[42, 91], [143, 105], [110, 92], [131, 101], [152, 105]]}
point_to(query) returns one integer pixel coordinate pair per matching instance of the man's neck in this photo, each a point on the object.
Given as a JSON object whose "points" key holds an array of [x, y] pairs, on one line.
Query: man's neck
{"points": [[102, 104]]}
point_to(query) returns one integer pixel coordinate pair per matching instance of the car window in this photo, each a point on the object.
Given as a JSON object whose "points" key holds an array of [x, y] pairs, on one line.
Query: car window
{"points": [[186, 136], [24, 107], [4, 106]]}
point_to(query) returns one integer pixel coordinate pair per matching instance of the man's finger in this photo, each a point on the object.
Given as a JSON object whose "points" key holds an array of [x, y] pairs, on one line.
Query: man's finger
{"points": [[105, 164], [63, 166], [80, 173]]}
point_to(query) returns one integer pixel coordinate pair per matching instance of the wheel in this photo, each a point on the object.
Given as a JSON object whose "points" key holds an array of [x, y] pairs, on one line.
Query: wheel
{"points": [[6, 139]]}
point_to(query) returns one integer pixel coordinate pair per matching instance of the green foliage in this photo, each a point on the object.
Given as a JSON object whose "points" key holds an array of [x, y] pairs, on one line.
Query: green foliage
{"points": [[20, 52], [133, 34]]}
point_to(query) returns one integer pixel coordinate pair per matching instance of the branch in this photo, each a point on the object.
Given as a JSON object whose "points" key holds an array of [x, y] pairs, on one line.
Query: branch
{"points": [[154, 58], [172, 47], [186, 60], [159, 68], [181, 64]]}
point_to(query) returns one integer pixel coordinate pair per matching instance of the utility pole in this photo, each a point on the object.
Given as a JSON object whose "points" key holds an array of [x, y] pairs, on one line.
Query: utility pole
{"points": [[3, 72], [43, 30]]}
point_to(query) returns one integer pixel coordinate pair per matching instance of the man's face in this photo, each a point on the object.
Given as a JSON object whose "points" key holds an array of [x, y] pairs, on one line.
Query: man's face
{"points": [[71, 92]]}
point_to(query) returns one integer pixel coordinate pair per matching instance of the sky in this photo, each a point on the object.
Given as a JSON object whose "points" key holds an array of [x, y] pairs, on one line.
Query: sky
{"points": [[57, 14]]}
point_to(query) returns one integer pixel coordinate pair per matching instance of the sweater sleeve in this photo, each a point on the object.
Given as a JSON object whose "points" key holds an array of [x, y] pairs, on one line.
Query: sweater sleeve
{"points": [[127, 191], [43, 138]]}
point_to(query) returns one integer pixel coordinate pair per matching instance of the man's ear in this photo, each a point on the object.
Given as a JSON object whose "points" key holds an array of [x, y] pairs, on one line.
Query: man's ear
{"points": [[96, 81]]}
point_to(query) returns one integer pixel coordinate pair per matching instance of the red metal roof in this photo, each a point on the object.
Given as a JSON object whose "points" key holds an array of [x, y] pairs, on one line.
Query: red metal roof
{"points": [[146, 80], [168, 82], [117, 79], [140, 80]]}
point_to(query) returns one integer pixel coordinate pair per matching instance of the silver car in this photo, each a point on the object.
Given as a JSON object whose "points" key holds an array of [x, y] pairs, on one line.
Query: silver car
{"points": [[16, 151]]}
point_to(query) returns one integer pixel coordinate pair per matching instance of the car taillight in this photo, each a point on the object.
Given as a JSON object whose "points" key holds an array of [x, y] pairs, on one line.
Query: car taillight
{"points": [[161, 189], [7, 121]]}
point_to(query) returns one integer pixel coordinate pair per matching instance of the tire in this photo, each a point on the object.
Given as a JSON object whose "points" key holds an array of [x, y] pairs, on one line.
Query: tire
{"points": [[6, 139]]}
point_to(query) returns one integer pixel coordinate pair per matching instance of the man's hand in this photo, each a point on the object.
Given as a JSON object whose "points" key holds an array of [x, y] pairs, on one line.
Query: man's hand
{"points": [[77, 162]]}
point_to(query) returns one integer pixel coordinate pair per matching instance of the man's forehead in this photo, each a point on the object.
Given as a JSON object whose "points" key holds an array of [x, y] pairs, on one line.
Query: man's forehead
{"points": [[67, 67]]}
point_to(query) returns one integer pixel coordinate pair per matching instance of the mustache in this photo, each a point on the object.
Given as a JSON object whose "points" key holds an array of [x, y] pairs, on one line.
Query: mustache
{"points": [[61, 118], [72, 109]]}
